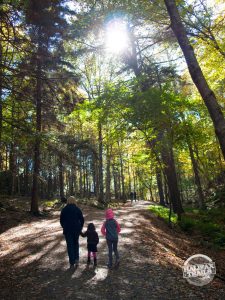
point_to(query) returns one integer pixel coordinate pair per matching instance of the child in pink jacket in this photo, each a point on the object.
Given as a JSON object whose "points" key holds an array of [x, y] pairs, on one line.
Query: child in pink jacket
{"points": [[110, 230]]}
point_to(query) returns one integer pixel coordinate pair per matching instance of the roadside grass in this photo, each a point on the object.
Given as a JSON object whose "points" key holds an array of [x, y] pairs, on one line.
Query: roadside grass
{"points": [[210, 224]]}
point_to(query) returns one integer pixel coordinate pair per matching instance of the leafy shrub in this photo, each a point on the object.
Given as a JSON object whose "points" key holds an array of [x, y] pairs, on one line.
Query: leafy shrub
{"points": [[163, 212], [210, 224], [187, 224]]}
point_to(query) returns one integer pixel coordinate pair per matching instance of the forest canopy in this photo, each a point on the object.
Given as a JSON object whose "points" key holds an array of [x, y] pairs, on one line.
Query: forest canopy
{"points": [[99, 99]]}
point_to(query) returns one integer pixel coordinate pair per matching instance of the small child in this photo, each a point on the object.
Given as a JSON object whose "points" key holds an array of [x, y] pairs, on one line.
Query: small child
{"points": [[92, 241], [110, 230]]}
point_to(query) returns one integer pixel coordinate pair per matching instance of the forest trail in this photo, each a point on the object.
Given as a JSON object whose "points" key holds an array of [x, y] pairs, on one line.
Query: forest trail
{"points": [[34, 263]]}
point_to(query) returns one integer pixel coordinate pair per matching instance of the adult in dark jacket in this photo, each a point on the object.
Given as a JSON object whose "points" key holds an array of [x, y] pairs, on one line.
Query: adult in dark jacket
{"points": [[72, 221]]}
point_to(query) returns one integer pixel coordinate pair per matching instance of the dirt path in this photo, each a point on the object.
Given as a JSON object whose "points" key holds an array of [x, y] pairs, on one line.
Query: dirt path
{"points": [[34, 263]]}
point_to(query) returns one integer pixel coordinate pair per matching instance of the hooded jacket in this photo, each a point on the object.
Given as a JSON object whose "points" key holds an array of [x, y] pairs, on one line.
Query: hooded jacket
{"points": [[110, 227], [91, 234]]}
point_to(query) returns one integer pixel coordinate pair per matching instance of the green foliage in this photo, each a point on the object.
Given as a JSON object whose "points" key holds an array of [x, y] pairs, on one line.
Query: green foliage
{"points": [[50, 203], [210, 224], [187, 224], [131, 110], [163, 212]]}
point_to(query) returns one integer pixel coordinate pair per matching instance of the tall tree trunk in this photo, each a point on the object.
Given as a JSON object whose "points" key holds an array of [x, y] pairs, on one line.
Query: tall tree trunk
{"points": [[179, 180], [26, 179], [100, 173], [171, 176], [18, 184], [160, 186], [55, 184], [115, 179], [108, 174], [12, 167], [166, 190], [50, 185], [96, 179], [61, 177], [80, 175], [196, 73], [12, 152], [6, 157], [75, 181], [122, 178], [71, 182], [84, 176], [94, 174], [129, 177], [134, 181], [36, 169], [201, 202], [151, 194]]}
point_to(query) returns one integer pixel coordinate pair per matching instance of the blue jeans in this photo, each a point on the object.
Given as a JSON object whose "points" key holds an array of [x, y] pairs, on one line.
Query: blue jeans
{"points": [[72, 241], [112, 247]]}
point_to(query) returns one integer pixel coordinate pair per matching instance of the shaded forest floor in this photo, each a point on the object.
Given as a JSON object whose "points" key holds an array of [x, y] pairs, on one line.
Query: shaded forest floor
{"points": [[34, 263]]}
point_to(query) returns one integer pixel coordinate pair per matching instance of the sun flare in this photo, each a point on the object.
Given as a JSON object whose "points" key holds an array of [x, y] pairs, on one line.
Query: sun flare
{"points": [[116, 37]]}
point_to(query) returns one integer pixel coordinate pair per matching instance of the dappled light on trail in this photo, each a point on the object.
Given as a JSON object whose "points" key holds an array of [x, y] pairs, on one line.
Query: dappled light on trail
{"points": [[34, 260]]}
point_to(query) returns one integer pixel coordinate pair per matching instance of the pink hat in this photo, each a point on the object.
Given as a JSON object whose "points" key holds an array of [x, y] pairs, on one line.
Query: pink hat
{"points": [[109, 214]]}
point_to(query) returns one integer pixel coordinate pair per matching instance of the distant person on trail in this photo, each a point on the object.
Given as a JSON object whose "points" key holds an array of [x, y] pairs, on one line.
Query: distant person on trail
{"points": [[72, 221], [92, 242], [135, 196], [110, 230], [131, 197]]}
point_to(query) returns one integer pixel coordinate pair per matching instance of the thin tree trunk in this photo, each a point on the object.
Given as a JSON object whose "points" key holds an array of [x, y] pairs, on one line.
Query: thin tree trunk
{"points": [[129, 177], [84, 176], [61, 177], [55, 185], [100, 150], [75, 181], [96, 179], [122, 178], [36, 170], [151, 194], [26, 179], [18, 184], [50, 184], [160, 186], [80, 175], [171, 176], [134, 181], [87, 177], [115, 177], [13, 168], [12, 152], [166, 190], [108, 174], [6, 158], [94, 175], [179, 180], [71, 182], [196, 73], [197, 177]]}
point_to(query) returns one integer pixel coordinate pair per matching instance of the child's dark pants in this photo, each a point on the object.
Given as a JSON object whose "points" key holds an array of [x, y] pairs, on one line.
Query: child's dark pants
{"points": [[112, 246]]}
